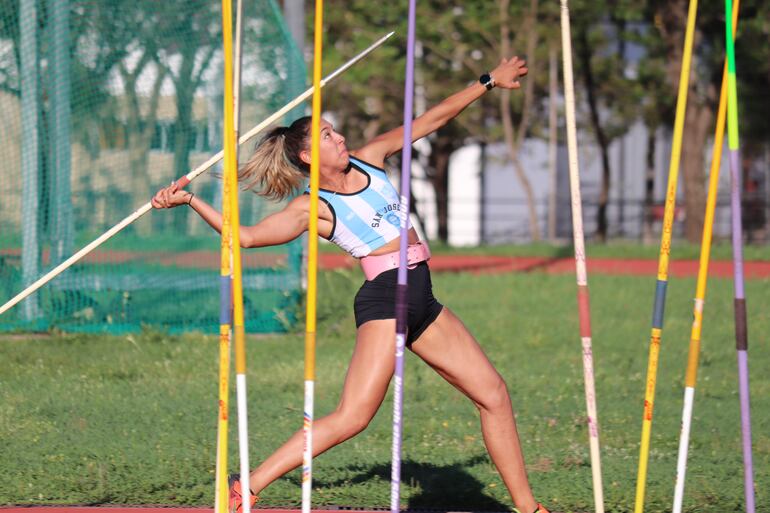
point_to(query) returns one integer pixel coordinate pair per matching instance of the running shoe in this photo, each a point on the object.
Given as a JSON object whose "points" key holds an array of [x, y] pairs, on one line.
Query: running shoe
{"points": [[236, 497], [539, 509]]}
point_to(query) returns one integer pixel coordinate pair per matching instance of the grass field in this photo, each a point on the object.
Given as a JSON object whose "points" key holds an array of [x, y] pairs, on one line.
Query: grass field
{"points": [[88, 419]]}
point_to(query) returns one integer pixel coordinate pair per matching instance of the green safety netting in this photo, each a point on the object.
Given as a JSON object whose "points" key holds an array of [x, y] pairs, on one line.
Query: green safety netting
{"points": [[103, 102]]}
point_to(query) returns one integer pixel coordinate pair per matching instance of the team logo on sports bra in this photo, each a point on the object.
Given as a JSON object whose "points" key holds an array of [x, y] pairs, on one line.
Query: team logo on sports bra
{"points": [[390, 213]]}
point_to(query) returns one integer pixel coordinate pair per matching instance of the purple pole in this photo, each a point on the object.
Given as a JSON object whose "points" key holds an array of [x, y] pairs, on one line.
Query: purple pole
{"points": [[741, 328], [741, 325], [401, 288]]}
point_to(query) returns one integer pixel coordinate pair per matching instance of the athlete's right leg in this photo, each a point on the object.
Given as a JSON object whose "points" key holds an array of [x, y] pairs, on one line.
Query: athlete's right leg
{"points": [[366, 384]]}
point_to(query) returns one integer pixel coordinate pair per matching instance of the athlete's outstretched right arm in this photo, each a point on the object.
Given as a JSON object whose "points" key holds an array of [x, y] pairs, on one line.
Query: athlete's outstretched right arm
{"points": [[278, 228]]}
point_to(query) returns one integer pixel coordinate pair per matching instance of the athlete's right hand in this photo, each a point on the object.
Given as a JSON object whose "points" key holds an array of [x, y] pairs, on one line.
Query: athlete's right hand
{"points": [[170, 197]]}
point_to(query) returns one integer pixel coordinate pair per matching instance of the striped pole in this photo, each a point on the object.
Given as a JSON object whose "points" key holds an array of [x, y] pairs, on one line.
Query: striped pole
{"points": [[741, 325], [225, 281], [183, 181], [312, 264], [580, 260], [402, 297], [700, 292], [231, 174], [225, 293], [665, 249]]}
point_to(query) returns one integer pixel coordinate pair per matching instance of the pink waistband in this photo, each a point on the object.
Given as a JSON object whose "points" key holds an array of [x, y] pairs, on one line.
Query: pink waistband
{"points": [[374, 265]]}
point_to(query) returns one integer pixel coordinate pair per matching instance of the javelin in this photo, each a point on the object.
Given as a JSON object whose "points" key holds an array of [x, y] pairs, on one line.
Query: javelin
{"points": [[402, 288], [237, 273], [584, 312], [230, 284], [741, 328], [312, 265], [182, 182], [659, 303], [700, 291]]}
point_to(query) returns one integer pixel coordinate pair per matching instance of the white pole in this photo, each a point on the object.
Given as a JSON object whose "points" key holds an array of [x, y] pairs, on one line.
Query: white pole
{"points": [[684, 443], [240, 377], [580, 260], [192, 175]]}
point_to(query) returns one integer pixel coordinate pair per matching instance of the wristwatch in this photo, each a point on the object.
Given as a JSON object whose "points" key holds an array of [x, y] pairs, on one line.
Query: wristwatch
{"points": [[487, 81]]}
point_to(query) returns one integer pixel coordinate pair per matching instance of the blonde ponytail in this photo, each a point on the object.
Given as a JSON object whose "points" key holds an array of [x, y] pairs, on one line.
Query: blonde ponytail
{"points": [[275, 169]]}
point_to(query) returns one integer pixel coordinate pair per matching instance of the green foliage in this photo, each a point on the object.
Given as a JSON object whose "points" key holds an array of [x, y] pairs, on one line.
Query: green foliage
{"points": [[132, 419], [461, 40]]}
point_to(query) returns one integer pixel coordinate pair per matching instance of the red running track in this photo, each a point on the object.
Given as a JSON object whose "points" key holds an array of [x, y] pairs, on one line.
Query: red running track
{"points": [[488, 264], [174, 509]]}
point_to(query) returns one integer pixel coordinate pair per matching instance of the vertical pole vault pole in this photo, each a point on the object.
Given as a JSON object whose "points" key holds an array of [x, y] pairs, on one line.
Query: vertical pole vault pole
{"points": [[700, 292], [402, 296], [580, 259], [225, 281], [665, 249], [239, 329], [741, 326], [312, 264]]}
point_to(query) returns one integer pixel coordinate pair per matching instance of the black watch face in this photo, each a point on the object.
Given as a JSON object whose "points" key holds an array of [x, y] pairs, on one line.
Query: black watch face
{"points": [[485, 78]]}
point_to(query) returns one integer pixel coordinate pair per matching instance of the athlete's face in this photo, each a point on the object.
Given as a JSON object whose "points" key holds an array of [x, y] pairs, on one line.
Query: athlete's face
{"points": [[333, 152]]}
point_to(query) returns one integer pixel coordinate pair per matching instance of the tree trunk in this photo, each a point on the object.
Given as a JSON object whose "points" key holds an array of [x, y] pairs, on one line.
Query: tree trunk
{"points": [[649, 188], [511, 140], [697, 117], [621, 28], [186, 83], [698, 124], [185, 90], [441, 151], [139, 135], [601, 137], [553, 137]]}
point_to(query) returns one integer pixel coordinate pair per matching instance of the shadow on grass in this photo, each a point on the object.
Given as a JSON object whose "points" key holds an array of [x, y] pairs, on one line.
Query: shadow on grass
{"points": [[558, 253], [435, 487]]}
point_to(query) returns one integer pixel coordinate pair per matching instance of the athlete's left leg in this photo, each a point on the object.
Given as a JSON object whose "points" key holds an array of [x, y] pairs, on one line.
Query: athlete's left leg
{"points": [[450, 349]]}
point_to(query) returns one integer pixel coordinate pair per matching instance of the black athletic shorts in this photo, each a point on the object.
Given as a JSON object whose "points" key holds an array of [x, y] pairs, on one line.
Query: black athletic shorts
{"points": [[377, 300]]}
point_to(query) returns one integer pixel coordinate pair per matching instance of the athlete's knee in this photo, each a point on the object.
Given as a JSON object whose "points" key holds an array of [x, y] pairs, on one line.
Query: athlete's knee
{"points": [[495, 396], [352, 421]]}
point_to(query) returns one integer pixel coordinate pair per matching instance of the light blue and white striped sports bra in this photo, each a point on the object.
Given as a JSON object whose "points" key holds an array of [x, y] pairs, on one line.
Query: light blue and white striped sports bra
{"points": [[368, 219]]}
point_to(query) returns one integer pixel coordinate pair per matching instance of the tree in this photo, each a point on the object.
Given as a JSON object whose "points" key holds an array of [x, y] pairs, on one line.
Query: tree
{"points": [[459, 43], [610, 94], [664, 56], [515, 137], [89, 76], [10, 58], [628, 55], [188, 39], [126, 37]]}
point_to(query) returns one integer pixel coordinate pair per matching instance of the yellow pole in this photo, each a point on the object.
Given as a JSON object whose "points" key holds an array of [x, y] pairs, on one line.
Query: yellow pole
{"points": [[233, 87], [665, 249], [700, 289], [312, 266], [708, 227], [228, 251]]}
